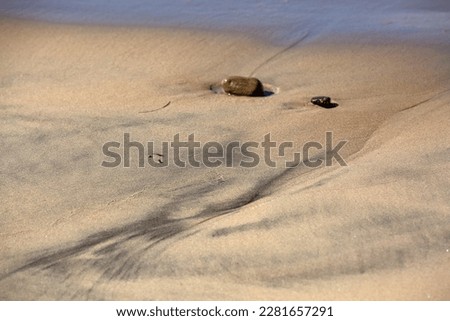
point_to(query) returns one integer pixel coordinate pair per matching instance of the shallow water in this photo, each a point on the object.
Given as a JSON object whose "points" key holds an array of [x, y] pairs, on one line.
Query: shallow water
{"points": [[283, 20]]}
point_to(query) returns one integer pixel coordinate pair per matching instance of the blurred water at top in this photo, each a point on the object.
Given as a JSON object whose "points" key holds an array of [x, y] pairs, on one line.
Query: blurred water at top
{"points": [[283, 20]]}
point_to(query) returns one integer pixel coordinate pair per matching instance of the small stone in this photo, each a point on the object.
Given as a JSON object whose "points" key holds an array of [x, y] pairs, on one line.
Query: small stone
{"points": [[322, 101], [243, 86]]}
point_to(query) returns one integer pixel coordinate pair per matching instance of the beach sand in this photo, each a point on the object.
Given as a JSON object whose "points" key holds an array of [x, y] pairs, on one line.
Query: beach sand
{"points": [[376, 229]]}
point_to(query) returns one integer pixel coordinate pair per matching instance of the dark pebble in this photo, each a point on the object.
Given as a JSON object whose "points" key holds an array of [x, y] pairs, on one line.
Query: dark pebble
{"points": [[323, 101], [243, 86]]}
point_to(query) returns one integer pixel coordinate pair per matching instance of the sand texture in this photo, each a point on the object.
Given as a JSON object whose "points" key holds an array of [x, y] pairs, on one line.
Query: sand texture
{"points": [[378, 228]]}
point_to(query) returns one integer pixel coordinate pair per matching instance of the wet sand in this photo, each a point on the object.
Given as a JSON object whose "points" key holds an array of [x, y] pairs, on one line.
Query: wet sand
{"points": [[377, 228]]}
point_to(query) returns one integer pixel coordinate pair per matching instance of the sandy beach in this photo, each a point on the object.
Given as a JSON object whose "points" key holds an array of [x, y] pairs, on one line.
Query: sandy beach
{"points": [[377, 228]]}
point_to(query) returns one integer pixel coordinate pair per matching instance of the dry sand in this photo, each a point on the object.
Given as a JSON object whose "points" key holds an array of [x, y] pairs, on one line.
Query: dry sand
{"points": [[378, 228]]}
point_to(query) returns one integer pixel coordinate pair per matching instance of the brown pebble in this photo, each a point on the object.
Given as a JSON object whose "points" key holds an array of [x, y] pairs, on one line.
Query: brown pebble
{"points": [[243, 86]]}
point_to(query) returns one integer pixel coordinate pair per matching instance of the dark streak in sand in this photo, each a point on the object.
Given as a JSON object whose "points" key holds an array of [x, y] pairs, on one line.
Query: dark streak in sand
{"points": [[114, 258], [153, 110], [266, 61]]}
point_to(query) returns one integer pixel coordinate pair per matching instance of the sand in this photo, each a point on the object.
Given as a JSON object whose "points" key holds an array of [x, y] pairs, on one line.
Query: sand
{"points": [[376, 229]]}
